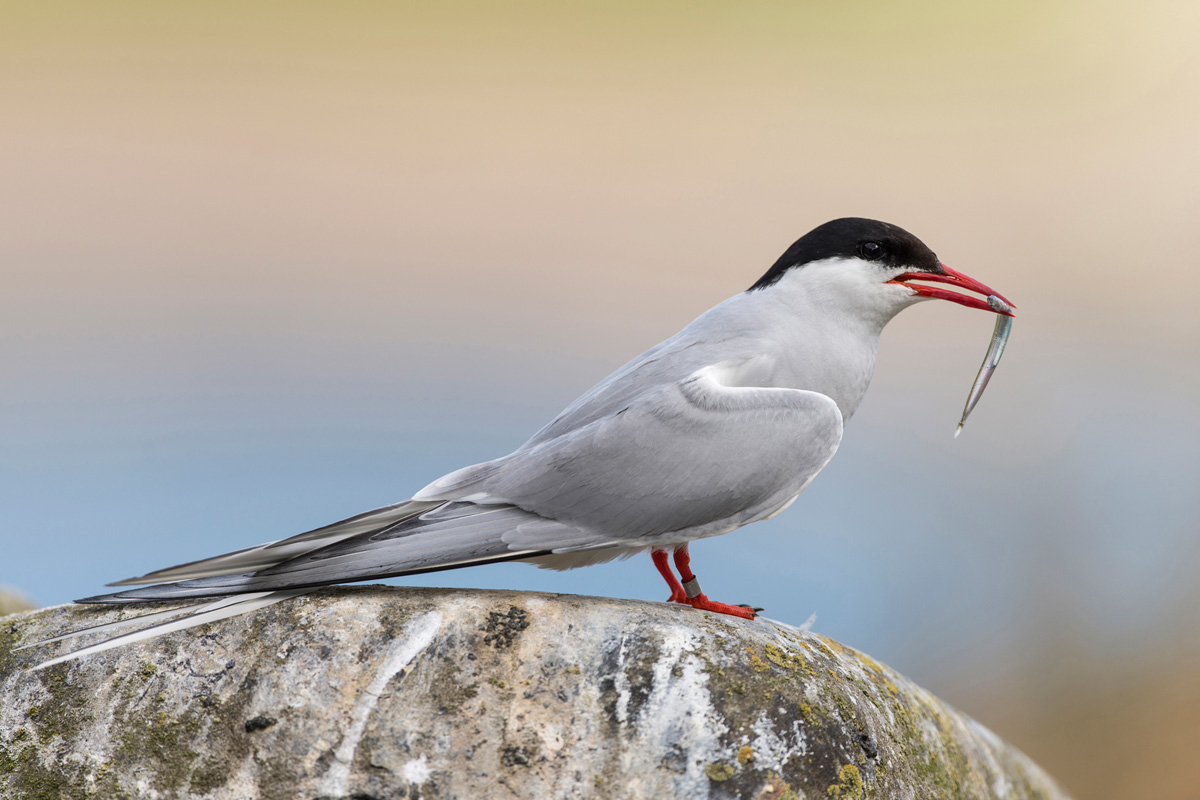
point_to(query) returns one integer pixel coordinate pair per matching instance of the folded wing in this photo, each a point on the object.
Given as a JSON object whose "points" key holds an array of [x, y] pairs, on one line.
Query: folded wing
{"points": [[691, 458]]}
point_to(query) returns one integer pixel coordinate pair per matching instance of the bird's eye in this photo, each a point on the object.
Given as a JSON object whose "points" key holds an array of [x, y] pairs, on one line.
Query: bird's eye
{"points": [[871, 251]]}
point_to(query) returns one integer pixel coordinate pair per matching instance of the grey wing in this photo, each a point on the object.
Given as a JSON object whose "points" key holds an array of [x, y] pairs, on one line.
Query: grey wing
{"points": [[688, 459], [693, 348]]}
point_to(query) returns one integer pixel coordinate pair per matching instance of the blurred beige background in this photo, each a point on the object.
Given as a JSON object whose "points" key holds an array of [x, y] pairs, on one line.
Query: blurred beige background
{"points": [[264, 267]]}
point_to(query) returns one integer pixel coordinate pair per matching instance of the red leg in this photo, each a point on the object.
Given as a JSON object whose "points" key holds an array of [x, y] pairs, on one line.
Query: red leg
{"points": [[683, 563], [697, 598], [664, 569]]}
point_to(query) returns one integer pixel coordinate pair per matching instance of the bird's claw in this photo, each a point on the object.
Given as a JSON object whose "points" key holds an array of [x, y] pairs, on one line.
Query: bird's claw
{"points": [[702, 603]]}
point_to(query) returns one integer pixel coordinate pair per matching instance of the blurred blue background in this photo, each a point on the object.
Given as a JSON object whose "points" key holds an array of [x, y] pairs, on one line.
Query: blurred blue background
{"points": [[264, 268]]}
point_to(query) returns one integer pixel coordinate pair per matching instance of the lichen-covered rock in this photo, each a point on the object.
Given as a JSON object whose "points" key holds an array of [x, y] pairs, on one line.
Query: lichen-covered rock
{"points": [[402, 693]]}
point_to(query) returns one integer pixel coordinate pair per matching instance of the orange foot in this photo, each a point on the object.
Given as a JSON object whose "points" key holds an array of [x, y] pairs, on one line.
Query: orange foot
{"points": [[702, 602]]}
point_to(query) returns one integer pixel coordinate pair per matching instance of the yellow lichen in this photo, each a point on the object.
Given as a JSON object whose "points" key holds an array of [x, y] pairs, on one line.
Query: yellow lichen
{"points": [[849, 786], [833, 645], [745, 755], [755, 662], [878, 673], [787, 659]]}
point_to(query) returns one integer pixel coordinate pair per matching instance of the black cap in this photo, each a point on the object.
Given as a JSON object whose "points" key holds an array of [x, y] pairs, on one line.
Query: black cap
{"points": [[854, 237]]}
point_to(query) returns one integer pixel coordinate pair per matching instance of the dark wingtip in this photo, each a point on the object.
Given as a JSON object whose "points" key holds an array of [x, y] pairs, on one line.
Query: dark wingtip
{"points": [[106, 599], [94, 599], [130, 582]]}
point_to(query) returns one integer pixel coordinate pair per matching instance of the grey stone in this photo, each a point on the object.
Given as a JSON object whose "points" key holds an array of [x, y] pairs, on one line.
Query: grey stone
{"points": [[380, 692]]}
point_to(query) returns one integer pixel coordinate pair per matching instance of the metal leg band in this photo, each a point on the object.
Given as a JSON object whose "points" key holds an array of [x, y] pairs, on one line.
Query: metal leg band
{"points": [[692, 587]]}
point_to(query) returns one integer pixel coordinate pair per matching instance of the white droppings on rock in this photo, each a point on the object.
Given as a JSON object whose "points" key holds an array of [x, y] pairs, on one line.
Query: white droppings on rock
{"points": [[535, 603], [770, 750], [417, 771], [621, 684], [678, 720], [417, 636]]}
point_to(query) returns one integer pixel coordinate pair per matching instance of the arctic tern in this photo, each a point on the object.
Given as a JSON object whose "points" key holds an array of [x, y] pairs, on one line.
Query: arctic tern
{"points": [[722, 425]]}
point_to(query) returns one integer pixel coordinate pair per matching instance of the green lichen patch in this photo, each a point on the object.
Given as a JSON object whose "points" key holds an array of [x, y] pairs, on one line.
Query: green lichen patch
{"points": [[195, 748], [158, 741], [30, 779], [719, 772], [64, 712], [29, 772], [209, 776], [449, 691], [9, 639]]}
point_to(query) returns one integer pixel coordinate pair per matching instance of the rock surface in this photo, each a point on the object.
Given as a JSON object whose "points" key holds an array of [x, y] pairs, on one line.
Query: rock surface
{"points": [[380, 692]]}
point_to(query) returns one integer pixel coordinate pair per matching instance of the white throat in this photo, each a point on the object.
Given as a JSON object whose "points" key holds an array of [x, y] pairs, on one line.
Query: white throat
{"points": [[825, 319]]}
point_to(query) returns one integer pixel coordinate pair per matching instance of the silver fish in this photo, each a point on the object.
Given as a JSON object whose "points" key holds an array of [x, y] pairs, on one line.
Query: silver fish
{"points": [[999, 339]]}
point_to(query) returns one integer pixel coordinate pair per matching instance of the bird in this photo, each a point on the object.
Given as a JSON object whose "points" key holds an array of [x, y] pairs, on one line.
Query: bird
{"points": [[721, 425]]}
